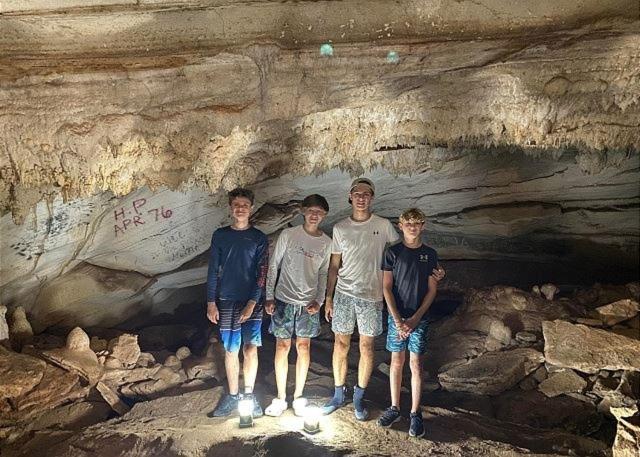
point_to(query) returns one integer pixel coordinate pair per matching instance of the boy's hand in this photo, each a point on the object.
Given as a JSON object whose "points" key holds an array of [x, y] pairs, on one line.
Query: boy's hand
{"points": [[246, 311], [328, 309], [270, 307], [212, 312], [403, 329], [313, 307], [438, 273], [412, 323]]}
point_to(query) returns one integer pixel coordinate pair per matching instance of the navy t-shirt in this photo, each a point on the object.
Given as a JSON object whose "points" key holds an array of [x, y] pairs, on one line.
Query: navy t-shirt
{"points": [[411, 270], [238, 264]]}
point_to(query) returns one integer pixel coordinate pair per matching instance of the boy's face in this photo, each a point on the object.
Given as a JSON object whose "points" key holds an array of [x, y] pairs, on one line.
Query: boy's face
{"points": [[361, 197], [241, 208], [314, 215], [411, 228]]}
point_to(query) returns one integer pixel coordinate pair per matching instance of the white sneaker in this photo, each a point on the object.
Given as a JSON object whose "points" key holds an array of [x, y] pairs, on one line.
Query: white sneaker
{"points": [[276, 408], [299, 405]]}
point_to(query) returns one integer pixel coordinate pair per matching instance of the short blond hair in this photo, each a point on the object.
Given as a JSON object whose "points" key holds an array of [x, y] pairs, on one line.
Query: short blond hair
{"points": [[413, 214]]}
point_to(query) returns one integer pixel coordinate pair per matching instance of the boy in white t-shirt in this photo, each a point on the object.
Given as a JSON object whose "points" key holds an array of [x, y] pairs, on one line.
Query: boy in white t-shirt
{"points": [[355, 275], [302, 255]]}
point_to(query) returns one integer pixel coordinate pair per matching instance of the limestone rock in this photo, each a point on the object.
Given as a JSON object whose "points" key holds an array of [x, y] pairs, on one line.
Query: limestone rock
{"points": [[618, 311], [526, 337], [19, 373], [146, 360], [98, 344], [588, 349], [211, 365], [562, 382], [549, 291], [493, 372], [173, 363], [112, 399], [125, 348], [627, 441], [77, 356], [20, 331], [183, 352], [4, 328]]}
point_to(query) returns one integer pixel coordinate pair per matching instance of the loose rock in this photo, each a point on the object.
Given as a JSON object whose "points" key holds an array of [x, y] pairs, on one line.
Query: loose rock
{"points": [[561, 383]]}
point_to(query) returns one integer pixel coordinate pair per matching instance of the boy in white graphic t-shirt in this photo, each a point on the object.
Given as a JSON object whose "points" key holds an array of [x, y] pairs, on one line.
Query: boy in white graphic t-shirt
{"points": [[355, 276], [302, 255]]}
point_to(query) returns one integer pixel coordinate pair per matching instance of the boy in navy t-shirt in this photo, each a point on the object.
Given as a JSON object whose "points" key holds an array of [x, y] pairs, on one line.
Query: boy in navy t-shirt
{"points": [[409, 289], [235, 286]]}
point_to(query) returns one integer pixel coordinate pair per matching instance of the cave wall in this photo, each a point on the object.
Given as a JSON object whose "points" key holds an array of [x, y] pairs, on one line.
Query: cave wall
{"points": [[514, 126]]}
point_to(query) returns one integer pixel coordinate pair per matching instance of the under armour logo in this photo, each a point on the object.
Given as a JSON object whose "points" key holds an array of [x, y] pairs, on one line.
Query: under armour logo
{"points": [[424, 258], [375, 232]]}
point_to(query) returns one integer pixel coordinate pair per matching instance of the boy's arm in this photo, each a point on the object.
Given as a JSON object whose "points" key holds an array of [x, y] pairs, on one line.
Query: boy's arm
{"points": [[426, 303], [262, 266], [332, 279], [274, 264], [387, 291], [212, 280], [323, 274]]}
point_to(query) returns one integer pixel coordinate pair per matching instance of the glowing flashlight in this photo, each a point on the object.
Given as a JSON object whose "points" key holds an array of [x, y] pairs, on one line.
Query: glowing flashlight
{"points": [[245, 410], [312, 419]]}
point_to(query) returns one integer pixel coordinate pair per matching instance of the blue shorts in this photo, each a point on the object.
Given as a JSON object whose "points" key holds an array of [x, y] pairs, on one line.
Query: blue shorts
{"points": [[288, 319], [232, 333], [416, 342]]}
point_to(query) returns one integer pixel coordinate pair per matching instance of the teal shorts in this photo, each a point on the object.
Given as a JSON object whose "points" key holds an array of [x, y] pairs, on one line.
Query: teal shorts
{"points": [[288, 320], [416, 342]]}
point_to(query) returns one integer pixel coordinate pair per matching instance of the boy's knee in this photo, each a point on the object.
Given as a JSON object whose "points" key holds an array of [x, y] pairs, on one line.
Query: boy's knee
{"points": [[415, 363], [303, 345], [397, 359], [342, 342], [250, 350], [283, 344], [366, 344]]}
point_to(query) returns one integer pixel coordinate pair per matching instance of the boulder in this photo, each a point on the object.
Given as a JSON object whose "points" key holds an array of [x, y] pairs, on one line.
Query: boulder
{"points": [[589, 349], [618, 311], [627, 442], [549, 291], [77, 356], [20, 331], [562, 382], [19, 373], [4, 327], [125, 348], [493, 372]]}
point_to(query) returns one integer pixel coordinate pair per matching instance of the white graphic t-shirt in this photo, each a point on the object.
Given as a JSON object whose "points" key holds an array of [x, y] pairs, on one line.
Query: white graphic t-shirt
{"points": [[362, 246], [303, 261]]}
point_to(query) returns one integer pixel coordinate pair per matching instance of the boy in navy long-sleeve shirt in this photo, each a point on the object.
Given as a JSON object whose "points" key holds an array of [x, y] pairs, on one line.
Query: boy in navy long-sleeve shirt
{"points": [[235, 284]]}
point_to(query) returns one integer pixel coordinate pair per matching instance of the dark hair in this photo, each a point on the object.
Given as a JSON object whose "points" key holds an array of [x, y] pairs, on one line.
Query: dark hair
{"points": [[315, 200], [241, 192]]}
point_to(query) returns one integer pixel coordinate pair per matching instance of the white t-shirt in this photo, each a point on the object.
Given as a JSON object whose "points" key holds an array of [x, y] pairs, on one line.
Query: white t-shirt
{"points": [[303, 260], [362, 247]]}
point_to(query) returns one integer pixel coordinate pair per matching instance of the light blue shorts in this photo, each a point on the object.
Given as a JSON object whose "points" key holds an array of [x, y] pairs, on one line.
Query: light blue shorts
{"points": [[416, 342]]}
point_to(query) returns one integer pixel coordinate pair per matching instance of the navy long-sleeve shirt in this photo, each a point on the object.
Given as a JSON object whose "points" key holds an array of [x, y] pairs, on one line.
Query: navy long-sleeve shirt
{"points": [[238, 264]]}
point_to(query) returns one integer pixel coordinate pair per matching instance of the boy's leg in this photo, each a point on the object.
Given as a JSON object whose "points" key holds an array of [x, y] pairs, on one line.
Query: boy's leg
{"points": [[397, 347], [230, 336], [307, 326], [416, 363], [395, 376], [249, 366], [303, 349], [281, 365], [343, 323], [369, 318]]}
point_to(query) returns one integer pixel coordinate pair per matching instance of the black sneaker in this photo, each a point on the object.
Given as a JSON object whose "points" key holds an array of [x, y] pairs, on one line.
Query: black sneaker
{"points": [[390, 416], [227, 405], [416, 428]]}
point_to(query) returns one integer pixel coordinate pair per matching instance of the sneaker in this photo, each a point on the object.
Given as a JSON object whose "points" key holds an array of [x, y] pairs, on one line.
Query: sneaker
{"points": [[338, 401], [227, 405], [390, 416], [299, 406], [362, 413], [276, 408], [417, 427]]}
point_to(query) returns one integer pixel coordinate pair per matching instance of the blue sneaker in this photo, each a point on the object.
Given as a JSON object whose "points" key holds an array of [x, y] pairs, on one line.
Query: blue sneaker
{"points": [[227, 405], [338, 401], [416, 428], [390, 416], [362, 414]]}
